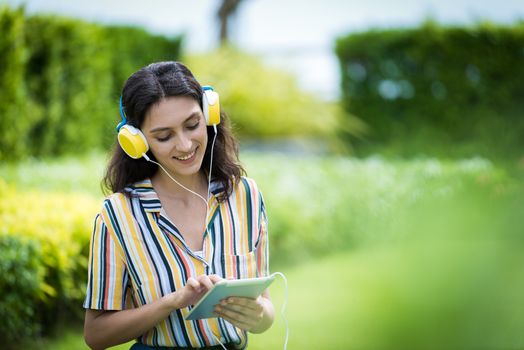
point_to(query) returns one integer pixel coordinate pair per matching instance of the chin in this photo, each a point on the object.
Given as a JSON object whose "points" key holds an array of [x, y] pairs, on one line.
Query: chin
{"points": [[192, 169]]}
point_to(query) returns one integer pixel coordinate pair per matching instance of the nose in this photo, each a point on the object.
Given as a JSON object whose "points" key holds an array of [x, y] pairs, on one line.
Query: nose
{"points": [[183, 143]]}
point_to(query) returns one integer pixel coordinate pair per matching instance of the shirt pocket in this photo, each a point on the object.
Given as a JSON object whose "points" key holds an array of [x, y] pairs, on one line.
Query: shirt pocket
{"points": [[240, 266]]}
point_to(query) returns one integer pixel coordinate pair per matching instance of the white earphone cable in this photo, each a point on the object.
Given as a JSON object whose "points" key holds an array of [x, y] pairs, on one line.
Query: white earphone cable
{"points": [[209, 179], [284, 304], [172, 178], [218, 340], [211, 161], [283, 308], [184, 187], [282, 311]]}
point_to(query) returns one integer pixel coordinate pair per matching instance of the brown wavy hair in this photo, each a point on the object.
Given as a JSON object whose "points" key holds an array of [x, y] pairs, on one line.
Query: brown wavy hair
{"points": [[142, 90]]}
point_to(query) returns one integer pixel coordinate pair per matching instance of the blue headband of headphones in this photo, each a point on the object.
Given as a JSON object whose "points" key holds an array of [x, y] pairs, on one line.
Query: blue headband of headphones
{"points": [[123, 115]]}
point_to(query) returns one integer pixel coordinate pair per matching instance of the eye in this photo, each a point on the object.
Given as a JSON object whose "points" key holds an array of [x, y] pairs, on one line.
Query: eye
{"points": [[163, 139], [194, 126]]}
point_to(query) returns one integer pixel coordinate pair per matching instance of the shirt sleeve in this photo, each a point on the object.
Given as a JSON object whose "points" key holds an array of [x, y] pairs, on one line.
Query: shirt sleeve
{"points": [[107, 275], [262, 244]]}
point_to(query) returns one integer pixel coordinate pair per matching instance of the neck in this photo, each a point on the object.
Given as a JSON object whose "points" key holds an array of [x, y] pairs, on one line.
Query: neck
{"points": [[167, 186]]}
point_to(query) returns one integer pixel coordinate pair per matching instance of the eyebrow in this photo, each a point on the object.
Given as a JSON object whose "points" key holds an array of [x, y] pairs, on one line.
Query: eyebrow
{"points": [[164, 128]]}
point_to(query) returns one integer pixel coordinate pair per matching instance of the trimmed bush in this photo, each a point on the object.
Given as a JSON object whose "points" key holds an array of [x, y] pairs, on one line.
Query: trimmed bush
{"points": [[20, 285], [68, 75], [61, 80], [264, 102], [13, 97], [45, 239], [454, 91], [132, 48]]}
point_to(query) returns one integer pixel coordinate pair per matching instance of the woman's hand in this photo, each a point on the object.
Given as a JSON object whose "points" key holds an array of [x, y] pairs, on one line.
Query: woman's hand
{"points": [[253, 315], [194, 289]]}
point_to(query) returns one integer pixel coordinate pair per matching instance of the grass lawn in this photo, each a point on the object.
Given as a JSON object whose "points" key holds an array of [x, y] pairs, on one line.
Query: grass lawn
{"points": [[302, 314], [394, 297], [385, 255]]}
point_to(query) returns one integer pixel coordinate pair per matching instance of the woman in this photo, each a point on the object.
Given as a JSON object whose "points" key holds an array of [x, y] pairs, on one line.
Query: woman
{"points": [[181, 218]]}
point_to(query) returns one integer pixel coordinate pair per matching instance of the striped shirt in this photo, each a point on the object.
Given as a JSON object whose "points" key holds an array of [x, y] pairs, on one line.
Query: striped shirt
{"points": [[137, 255]]}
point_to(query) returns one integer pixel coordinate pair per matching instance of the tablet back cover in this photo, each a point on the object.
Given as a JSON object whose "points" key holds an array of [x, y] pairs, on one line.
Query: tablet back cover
{"points": [[249, 288]]}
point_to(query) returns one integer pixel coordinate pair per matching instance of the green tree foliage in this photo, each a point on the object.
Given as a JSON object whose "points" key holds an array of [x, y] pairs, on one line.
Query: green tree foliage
{"points": [[20, 285], [61, 79], [132, 48], [68, 76], [265, 102], [13, 56], [44, 246], [454, 91]]}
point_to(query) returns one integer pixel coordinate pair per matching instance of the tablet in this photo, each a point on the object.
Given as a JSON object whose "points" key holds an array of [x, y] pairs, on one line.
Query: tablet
{"points": [[249, 288]]}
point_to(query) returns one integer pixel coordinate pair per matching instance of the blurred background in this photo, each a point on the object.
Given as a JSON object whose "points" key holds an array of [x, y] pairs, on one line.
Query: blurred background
{"points": [[386, 136]]}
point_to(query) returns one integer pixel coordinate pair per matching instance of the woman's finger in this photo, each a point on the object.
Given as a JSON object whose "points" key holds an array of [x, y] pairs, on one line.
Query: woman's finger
{"points": [[241, 310], [193, 283], [205, 282], [215, 278], [253, 304], [233, 318]]}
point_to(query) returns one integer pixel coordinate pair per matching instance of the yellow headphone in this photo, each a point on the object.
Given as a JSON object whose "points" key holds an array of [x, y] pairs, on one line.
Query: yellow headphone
{"points": [[134, 143]]}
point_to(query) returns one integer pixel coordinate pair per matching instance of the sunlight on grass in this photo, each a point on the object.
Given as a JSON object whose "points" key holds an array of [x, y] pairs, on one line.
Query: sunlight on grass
{"points": [[67, 174], [429, 294], [70, 339], [424, 254]]}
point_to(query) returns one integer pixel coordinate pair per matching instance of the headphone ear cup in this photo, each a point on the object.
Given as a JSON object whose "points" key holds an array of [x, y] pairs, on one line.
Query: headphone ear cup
{"points": [[132, 141], [211, 107]]}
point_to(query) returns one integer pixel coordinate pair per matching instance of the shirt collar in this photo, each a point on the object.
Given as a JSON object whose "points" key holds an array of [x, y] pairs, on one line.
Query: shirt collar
{"points": [[144, 191]]}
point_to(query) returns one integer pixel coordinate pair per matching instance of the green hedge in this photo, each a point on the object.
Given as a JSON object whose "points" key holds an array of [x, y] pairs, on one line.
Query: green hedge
{"points": [[437, 90], [62, 78], [44, 241], [265, 102], [13, 96], [20, 286]]}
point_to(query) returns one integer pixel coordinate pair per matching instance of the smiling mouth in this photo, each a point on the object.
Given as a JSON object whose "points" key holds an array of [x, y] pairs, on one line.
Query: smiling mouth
{"points": [[189, 156]]}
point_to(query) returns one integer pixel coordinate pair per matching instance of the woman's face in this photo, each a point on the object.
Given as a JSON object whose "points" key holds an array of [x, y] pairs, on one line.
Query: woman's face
{"points": [[176, 132]]}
